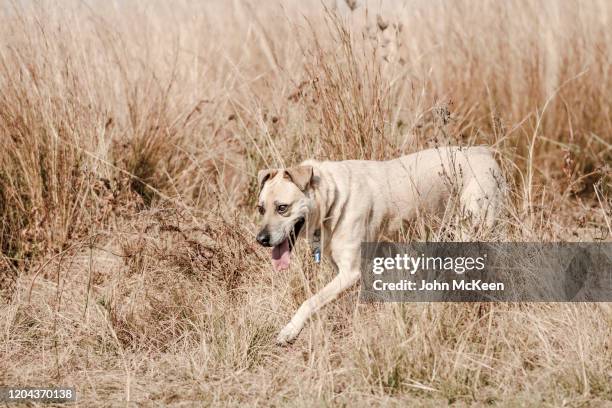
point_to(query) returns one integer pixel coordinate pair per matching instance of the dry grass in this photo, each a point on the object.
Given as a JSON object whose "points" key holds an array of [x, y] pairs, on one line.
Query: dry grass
{"points": [[131, 136]]}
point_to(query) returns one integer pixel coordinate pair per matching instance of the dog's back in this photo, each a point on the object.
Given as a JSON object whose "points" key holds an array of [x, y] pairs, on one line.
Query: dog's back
{"points": [[400, 189]]}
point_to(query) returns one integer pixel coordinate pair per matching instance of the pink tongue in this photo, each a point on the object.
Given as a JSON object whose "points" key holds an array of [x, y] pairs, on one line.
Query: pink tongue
{"points": [[281, 256]]}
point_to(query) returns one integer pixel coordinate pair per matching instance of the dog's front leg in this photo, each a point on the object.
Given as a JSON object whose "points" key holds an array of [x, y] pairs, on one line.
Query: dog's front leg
{"points": [[348, 274]]}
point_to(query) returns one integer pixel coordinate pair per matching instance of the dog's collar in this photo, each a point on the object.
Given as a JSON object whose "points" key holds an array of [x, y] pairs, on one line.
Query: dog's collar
{"points": [[316, 245]]}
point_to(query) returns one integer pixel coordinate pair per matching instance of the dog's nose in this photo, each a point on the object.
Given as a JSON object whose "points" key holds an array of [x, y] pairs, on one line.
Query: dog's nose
{"points": [[263, 238]]}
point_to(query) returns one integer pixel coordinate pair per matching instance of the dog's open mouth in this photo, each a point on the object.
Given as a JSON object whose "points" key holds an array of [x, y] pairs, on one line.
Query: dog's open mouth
{"points": [[281, 253]]}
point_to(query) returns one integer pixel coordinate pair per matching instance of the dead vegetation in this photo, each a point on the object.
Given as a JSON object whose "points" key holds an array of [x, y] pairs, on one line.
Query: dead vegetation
{"points": [[131, 139]]}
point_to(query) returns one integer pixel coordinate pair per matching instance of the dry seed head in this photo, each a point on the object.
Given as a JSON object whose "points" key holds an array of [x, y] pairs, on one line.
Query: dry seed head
{"points": [[352, 4], [382, 24]]}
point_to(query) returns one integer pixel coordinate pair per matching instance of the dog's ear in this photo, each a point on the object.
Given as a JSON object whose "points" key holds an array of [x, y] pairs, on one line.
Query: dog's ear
{"points": [[300, 175], [264, 175]]}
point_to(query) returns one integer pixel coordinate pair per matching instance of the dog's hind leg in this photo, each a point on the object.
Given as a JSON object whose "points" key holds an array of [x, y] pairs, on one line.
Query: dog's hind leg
{"points": [[481, 204], [348, 275]]}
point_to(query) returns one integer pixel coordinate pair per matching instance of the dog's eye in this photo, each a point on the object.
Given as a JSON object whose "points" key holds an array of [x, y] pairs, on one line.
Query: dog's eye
{"points": [[261, 209], [282, 208]]}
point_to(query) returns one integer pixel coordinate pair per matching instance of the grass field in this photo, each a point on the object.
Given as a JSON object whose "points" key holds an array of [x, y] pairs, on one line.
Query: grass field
{"points": [[132, 133]]}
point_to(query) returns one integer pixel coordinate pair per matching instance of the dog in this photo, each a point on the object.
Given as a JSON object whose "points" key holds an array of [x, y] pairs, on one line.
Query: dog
{"points": [[337, 205]]}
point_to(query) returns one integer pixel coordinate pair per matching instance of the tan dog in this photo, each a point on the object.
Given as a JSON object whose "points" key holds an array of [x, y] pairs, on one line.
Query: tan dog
{"points": [[350, 202]]}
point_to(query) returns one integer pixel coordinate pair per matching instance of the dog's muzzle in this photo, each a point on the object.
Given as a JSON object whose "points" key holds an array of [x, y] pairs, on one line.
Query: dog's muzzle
{"points": [[263, 237]]}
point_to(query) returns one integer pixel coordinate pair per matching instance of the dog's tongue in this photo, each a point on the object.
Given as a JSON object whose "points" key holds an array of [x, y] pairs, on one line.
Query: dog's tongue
{"points": [[281, 256]]}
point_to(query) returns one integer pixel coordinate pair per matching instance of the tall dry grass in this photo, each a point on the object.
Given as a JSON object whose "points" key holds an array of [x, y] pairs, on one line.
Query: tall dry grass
{"points": [[131, 136]]}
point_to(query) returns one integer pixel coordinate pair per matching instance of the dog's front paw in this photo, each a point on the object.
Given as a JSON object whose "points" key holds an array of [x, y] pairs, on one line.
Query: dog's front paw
{"points": [[288, 334]]}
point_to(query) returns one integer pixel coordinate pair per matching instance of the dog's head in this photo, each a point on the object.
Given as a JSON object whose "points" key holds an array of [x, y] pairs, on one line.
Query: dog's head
{"points": [[285, 203]]}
